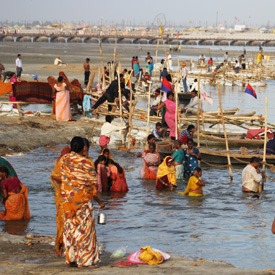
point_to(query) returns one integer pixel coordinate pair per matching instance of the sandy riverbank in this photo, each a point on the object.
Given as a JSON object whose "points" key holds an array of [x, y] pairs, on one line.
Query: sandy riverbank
{"points": [[34, 255]]}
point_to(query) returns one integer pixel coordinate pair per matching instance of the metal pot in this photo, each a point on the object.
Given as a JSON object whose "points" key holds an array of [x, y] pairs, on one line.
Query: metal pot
{"points": [[101, 218]]}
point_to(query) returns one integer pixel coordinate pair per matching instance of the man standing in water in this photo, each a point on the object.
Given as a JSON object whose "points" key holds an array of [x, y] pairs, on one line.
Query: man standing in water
{"points": [[251, 177], [86, 66], [19, 67]]}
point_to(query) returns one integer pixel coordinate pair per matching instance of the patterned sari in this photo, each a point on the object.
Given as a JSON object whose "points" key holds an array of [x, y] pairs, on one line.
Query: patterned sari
{"points": [[59, 209], [79, 185]]}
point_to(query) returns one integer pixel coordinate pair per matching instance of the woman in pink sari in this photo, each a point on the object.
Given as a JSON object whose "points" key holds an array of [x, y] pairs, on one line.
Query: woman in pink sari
{"points": [[170, 114], [62, 101], [150, 163]]}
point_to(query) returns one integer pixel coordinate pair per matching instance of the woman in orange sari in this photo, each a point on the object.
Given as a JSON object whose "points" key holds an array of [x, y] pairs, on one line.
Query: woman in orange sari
{"points": [[15, 196], [78, 189], [62, 101], [150, 163], [56, 183]]}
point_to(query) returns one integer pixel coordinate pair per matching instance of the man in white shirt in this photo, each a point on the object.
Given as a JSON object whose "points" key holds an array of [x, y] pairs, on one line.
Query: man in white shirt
{"points": [[251, 176], [192, 106], [156, 102], [19, 67], [106, 131]]}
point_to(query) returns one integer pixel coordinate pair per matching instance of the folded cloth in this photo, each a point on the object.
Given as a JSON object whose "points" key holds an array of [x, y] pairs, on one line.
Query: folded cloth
{"points": [[150, 256], [134, 257]]}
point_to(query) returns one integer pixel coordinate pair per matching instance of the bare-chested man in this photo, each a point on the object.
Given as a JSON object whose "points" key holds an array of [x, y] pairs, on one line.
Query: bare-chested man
{"points": [[86, 66]]}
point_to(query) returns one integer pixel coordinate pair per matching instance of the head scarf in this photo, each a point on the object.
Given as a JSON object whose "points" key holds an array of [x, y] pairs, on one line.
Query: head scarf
{"points": [[169, 171]]}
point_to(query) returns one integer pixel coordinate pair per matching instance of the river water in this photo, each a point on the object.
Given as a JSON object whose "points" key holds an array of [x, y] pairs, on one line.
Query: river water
{"points": [[223, 225]]}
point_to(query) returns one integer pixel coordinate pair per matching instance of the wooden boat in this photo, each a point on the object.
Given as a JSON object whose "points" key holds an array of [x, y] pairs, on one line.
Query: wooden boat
{"points": [[219, 158], [234, 141]]}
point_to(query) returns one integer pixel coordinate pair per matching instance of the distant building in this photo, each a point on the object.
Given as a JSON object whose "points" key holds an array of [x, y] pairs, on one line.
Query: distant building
{"points": [[239, 28]]}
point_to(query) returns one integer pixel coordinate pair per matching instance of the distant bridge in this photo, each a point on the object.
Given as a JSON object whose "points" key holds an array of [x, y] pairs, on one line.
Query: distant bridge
{"points": [[195, 38]]}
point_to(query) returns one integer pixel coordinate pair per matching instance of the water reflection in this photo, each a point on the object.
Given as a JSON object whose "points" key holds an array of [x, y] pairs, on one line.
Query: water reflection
{"points": [[222, 225], [16, 227]]}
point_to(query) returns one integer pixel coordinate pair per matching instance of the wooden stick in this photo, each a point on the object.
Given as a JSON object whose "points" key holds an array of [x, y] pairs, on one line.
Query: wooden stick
{"points": [[265, 141], [148, 108], [120, 105], [198, 114], [90, 83], [131, 110], [156, 61], [225, 136]]}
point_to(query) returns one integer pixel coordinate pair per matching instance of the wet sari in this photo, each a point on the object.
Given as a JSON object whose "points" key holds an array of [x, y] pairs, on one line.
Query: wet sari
{"points": [[193, 189], [119, 183], [166, 175], [17, 206], [150, 163], [79, 185]]}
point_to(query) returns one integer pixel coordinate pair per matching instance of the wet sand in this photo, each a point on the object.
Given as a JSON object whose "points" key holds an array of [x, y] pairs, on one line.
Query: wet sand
{"points": [[34, 255]]}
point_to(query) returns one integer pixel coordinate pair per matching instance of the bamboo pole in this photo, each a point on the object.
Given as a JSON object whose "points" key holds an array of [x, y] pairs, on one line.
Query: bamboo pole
{"points": [[90, 83], [198, 114], [225, 136], [156, 61], [148, 108], [265, 141], [131, 110], [177, 91], [120, 105]]}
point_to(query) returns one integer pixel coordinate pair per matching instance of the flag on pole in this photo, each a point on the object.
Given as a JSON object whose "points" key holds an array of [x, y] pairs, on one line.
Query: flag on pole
{"points": [[205, 97], [249, 90], [166, 85]]}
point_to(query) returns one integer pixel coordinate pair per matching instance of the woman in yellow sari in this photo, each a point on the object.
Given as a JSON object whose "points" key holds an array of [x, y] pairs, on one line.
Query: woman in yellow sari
{"points": [[78, 188], [166, 175], [195, 184]]}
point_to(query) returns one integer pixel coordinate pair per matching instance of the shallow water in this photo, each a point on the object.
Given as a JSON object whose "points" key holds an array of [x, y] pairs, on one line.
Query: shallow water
{"points": [[223, 225]]}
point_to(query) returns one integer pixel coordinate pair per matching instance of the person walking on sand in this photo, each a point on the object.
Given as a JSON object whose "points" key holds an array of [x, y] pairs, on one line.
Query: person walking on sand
{"points": [[184, 74], [86, 67], [78, 189], [62, 101], [19, 67]]}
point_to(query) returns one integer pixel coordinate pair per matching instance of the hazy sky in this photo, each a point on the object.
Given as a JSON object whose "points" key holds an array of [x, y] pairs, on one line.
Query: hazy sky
{"points": [[187, 12]]}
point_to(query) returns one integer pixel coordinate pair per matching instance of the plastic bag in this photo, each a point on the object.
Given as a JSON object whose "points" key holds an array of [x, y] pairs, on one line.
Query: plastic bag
{"points": [[120, 252]]}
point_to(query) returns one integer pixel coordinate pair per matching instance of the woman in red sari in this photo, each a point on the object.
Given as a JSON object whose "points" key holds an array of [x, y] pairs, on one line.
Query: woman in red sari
{"points": [[118, 177], [150, 163], [78, 189]]}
